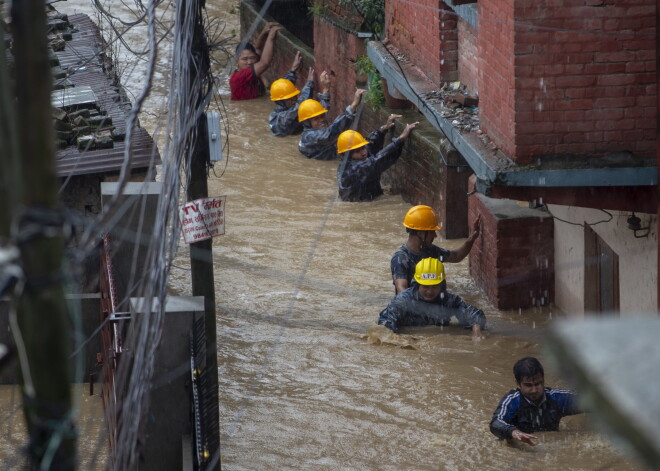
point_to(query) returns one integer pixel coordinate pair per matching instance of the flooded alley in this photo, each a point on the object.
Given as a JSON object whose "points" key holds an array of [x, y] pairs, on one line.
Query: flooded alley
{"points": [[307, 380]]}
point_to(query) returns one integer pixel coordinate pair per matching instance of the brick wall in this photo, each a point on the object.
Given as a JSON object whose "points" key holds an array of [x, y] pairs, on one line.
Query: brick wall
{"points": [[423, 35], [468, 57], [587, 89], [495, 44], [513, 259], [421, 177], [582, 82], [335, 48]]}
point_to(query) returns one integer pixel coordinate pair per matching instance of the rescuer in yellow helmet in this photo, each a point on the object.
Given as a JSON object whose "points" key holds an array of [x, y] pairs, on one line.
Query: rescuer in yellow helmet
{"points": [[427, 302], [358, 177], [421, 225], [318, 139], [283, 120]]}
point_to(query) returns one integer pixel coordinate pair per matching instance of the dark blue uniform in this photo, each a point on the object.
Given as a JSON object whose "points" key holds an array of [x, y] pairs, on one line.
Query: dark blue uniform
{"points": [[409, 309], [284, 121], [517, 412], [404, 260], [359, 180], [321, 144]]}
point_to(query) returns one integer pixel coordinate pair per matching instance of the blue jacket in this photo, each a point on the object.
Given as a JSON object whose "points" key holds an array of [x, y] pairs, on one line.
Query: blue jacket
{"points": [[321, 144], [409, 309], [359, 180], [283, 121], [516, 412]]}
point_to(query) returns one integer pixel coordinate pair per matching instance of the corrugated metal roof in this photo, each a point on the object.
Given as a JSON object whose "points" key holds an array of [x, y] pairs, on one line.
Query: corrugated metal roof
{"points": [[82, 61]]}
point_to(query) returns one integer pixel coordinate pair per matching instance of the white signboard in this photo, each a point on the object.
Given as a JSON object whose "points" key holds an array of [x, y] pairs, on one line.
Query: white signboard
{"points": [[203, 218]]}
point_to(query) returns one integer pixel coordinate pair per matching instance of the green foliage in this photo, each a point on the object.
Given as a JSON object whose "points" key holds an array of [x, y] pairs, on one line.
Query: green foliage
{"points": [[364, 66], [374, 97], [372, 13], [316, 9]]}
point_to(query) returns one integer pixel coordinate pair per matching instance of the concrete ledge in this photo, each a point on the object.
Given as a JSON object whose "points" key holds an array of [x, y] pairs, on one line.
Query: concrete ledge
{"points": [[492, 170]]}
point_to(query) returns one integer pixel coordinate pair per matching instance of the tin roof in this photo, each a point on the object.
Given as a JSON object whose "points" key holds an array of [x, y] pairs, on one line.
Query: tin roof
{"points": [[83, 61]]}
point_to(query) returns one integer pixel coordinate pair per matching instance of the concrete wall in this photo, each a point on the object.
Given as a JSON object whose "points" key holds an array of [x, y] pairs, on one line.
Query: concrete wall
{"points": [[637, 259], [168, 419]]}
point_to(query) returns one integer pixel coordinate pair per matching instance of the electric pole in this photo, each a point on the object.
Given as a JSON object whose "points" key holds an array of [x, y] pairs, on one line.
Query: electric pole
{"points": [[201, 253], [42, 312]]}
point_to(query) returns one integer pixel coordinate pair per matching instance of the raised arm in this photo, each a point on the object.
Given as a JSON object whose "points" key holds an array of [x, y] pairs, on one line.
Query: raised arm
{"points": [[357, 98], [261, 39], [460, 253], [267, 54]]}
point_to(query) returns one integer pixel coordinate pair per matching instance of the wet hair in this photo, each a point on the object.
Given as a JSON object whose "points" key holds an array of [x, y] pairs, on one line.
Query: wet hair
{"points": [[247, 46], [527, 367]]}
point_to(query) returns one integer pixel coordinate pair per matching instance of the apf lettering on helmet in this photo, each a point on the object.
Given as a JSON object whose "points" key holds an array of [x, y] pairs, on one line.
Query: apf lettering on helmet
{"points": [[429, 276]]}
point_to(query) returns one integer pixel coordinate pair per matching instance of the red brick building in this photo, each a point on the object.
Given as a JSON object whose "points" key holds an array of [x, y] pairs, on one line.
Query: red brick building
{"points": [[566, 123]]}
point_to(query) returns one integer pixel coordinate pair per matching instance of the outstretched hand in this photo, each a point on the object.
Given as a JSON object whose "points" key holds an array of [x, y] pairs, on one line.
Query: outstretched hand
{"points": [[408, 129], [391, 119], [310, 74], [524, 437], [357, 98], [273, 30], [297, 62], [325, 79]]}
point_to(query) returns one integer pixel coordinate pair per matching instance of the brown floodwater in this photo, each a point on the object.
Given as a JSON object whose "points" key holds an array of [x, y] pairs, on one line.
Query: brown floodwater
{"points": [[307, 379]]}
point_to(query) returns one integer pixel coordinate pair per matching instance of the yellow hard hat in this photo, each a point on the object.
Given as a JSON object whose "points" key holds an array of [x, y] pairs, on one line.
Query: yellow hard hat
{"points": [[429, 271], [281, 89], [309, 109], [422, 218], [350, 140]]}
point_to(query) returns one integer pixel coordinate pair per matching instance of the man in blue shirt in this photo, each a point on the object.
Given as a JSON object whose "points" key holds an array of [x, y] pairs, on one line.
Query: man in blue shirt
{"points": [[531, 407]]}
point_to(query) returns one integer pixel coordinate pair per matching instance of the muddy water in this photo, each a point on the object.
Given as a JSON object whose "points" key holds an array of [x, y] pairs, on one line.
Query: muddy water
{"points": [[306, 379]]}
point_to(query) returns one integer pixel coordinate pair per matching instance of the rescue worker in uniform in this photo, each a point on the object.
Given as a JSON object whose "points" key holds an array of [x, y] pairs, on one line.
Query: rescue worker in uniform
{"points": [[252, 61], [531, 407], [421, 223], [318, 139], [358, 177], [427, 302], [283, 119]]}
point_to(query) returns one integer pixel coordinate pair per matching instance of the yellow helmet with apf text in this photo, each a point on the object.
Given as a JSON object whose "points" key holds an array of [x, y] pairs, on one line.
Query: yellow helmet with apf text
{"points": [[281, 89], [422, 218], [350, 140], [309, 109], [429, 271]]}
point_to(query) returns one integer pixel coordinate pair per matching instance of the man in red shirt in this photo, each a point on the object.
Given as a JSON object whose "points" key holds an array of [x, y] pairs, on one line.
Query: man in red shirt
{"points": [[245, 83]]}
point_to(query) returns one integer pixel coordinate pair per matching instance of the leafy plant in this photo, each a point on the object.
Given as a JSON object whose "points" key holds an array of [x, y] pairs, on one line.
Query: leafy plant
{"points": [[363, 65], [316, 9], [372, 13], [374, 97]]}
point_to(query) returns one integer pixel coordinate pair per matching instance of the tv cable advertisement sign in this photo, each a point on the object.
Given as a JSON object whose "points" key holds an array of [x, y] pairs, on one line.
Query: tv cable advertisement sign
{"points": [[203, 218]]}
